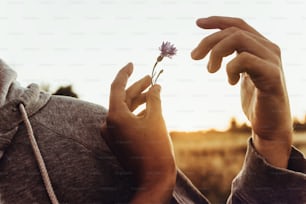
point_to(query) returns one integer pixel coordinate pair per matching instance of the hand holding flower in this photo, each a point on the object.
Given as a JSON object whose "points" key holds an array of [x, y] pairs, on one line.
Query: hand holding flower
{"points": [[141, 142]]}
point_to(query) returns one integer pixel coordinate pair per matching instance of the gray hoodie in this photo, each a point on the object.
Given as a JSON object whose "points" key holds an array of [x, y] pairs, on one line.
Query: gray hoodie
{"points": [[51, 151], [80, 167]]}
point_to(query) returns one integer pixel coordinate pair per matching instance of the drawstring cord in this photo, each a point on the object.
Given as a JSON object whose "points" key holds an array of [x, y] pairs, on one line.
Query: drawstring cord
{"points": [[38, 156]]}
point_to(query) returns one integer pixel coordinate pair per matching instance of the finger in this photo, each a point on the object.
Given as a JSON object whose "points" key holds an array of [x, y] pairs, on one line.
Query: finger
{"points": [[247, 87], [210, 41], [222, 22], [246, 82], [244, 62], [137, 88], [153, 101], [142, 113], [117, 95], [137, 101], [207, 44], [262, 73], [240, 42]]}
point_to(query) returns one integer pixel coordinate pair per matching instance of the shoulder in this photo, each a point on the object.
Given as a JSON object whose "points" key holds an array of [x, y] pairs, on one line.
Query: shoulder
{"points": [[72, 105], [73, 119], [62, 112]]}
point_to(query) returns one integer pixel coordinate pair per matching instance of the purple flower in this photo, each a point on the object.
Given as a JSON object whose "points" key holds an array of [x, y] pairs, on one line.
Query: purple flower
{"points": [[167, 50]]}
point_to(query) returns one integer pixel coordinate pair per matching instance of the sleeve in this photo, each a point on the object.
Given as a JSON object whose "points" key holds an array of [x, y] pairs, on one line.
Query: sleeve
{"points": [[260, 182], [185, 192]]}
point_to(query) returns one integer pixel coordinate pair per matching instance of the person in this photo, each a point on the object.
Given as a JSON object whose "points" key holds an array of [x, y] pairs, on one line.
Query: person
{"points": [[53, 149], [273, 171]]}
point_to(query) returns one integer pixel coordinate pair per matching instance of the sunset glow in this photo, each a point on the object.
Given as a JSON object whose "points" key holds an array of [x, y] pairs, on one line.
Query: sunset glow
{"points": [[84, 43]]}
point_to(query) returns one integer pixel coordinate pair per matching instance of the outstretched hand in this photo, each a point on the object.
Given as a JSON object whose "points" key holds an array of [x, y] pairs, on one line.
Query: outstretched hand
{"points": [[263, 91], [141, 142]]}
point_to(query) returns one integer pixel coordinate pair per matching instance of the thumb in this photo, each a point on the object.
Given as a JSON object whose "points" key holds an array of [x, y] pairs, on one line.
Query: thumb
{"points": [[153, 101]]}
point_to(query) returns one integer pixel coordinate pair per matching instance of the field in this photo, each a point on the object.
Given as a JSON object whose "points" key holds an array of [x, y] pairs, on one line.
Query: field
{"points": [[212, 159]]}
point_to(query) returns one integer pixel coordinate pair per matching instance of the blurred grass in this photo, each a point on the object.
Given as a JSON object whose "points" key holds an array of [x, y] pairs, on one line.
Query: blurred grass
{"points": [[212, 159]]}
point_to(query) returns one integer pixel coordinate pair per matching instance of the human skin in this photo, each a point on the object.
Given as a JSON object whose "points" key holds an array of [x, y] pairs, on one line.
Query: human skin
{"points": [[264, 97], [141, 142], [264, 100]]}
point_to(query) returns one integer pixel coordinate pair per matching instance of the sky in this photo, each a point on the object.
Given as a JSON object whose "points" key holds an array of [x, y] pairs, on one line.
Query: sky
{"points": [[85, 43]]}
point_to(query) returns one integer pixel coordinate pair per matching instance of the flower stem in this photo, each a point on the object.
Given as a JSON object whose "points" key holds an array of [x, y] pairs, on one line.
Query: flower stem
{"points": [[159, 73], [153, 73], [159, 58]]}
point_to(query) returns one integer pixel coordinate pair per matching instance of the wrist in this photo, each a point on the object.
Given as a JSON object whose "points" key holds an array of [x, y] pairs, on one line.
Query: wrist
{"points": [[275, 151], [155, 187]]}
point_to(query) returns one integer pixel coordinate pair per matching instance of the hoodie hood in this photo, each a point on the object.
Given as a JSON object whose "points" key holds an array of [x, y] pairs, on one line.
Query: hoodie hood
{"points": [[11, 96]]}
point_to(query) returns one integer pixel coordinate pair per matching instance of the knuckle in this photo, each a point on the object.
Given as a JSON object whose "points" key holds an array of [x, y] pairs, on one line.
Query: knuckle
{"points": [[240, 21], [232, 29], [277, 73], [244, 56], [154, 97], [276, 49], [241, 60], [239, 35]]}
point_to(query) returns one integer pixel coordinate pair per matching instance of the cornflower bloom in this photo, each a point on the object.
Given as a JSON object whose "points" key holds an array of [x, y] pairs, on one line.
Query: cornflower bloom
{"points": [[166, 50]]}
